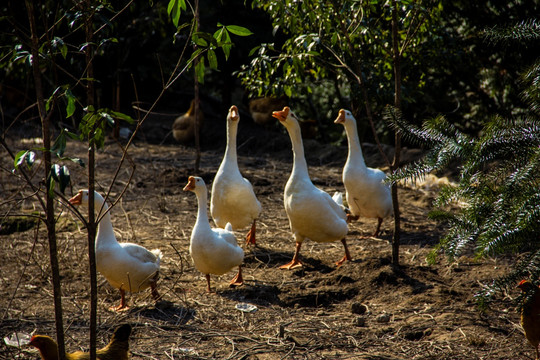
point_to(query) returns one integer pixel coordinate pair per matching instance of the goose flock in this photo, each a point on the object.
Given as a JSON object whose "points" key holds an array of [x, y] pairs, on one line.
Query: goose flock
{"points": [[313, 214]]}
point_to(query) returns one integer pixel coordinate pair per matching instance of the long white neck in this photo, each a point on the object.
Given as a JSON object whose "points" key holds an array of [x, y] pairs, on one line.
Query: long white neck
{"points": [[202, 214], [355, 155], [105, 232], [230, 158], [300, 168]]}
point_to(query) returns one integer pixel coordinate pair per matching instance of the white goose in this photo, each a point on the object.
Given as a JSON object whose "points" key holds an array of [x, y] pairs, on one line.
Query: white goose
{"points": [[233, 200], [312, 213], [367, 194], [126, 266], [213, 251]]}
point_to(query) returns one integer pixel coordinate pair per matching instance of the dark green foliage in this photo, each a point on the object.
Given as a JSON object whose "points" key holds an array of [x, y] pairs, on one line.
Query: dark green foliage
{"points": [[322, 50], [10, 225], [524, 31], [494, 208]]}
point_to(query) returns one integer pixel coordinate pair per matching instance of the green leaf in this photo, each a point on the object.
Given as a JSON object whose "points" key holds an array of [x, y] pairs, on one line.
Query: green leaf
{"points": [[72, 135], [19, 158], [64, 178], [122, 116], [99, 138], [55, 171], [58, 43], [48, 103], [108, 117], [50, 184], [64, 50], [226, 45], [204, 39], [199, 70], [70, 108], [239, 30], [77, 161], [218, 35], [59, 145], [30, 159], [51, 98], [288, 91], [254, 50], [212, 59], [196, 54], [27, 157], [174, 9], [199, 41]]}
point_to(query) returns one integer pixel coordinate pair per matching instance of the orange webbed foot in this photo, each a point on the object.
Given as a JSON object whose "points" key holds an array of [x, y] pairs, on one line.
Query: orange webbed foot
{"points": [[237, 280], [342, 261], [119, 308], [250, 237], [292, 265]]}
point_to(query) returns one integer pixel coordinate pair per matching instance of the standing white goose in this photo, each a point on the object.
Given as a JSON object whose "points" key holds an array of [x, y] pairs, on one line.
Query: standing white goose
{"points": [[312, 213], [233, 199], [213, 251], [126, 266], [367, 194]]}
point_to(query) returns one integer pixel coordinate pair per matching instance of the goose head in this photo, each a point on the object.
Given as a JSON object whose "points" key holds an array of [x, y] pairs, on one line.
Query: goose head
{"points": [[344, 116], [233, 115], [286, 117], [82, 198], [195, 184]]}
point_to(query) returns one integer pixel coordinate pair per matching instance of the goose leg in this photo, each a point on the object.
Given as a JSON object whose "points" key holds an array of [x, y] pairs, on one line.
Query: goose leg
{"points": [[123, 305], [295, 262], [208, 283], [250, 237], [347, 255], [237, 280], [351, 218], [153, 287], [376, 233]]}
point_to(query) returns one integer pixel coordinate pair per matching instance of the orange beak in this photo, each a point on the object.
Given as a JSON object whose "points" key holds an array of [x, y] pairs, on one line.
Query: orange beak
{"points": [[190, 185], [281, 115], [341, 117], [233, 113], [77, 199]]}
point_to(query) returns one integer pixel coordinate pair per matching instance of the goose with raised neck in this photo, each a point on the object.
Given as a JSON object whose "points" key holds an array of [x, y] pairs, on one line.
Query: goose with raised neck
{"points": [[105, 232], [312, 212], [366, 192], [126, 266], [213, 251], [233, 199]]}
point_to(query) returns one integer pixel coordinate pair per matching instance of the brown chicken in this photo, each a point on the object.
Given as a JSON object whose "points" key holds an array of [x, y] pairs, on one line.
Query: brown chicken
{"points": [[261, 109], [116, 349], [184, 126], [530, 314]]}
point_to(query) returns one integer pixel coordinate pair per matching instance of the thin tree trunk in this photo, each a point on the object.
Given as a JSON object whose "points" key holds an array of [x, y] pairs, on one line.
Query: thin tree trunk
{"points": [[397, 151], [197, 126], [91, 187], [50, 218]]}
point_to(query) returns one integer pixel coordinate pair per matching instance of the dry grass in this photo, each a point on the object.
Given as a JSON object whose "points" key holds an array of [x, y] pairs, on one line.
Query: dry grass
{"points": [[302, 314]]}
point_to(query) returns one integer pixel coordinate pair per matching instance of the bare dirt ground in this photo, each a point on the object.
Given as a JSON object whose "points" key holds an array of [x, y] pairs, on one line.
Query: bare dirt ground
{"points": [[366, 309]]}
